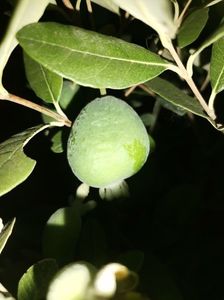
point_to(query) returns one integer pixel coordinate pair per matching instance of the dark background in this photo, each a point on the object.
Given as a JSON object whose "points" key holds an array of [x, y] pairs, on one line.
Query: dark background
{"points": [[175, 216]]}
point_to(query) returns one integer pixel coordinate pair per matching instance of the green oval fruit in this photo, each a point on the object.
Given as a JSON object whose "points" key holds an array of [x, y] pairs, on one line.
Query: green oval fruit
{"points": [[108, 143]]}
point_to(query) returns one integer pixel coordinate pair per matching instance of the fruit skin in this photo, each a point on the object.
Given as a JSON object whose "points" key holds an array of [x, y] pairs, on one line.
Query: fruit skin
{"points": [[108, 142]]}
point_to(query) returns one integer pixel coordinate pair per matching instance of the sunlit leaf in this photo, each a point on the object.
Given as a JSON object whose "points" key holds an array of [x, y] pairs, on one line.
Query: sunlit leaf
{"points": [[15, 166], [219, 33], [192, 27], [5, 233], [34, 283], [157, 14], [217, 66], [89, 58], [46, 84]]}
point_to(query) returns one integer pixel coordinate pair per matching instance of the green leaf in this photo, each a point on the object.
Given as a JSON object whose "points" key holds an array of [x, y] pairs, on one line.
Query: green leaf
{"points": [[46, 84], [172, 94], [215, 36], [68, 92], [26, 12], [192, 27], [61, 234], [89, 58], [57, 143], [217, 66], [15, 166], [5, 233], [34, 283]]}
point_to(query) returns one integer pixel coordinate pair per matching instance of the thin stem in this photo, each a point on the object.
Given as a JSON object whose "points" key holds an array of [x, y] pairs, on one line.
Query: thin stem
{"points": [[77, 6], [176, 10], [155, 113], [211, 100], [205, 82], [130, 90], [68, 4], [190, 81], [59, 110], [181, 16], [37, 107], [89, 6], [147, 90]]}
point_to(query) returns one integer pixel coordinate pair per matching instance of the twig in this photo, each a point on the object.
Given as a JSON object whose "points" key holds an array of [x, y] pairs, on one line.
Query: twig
{"points": [[130, 90], [211, 100], [68, 4], [181, 16], [190, 81], [147, 90], [37, 107]]}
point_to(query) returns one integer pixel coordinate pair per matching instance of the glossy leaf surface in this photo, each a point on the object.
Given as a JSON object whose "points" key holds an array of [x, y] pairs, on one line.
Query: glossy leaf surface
{"points": [[89, 58]]}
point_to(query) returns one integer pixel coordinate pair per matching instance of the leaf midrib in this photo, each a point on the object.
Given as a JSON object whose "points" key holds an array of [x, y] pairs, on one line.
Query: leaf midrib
{"points": [[97, 55]]}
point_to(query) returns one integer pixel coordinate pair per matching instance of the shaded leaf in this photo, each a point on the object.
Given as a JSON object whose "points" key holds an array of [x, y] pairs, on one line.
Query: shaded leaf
{"points": [[15, 166], [5, 233], [171, 93], [46, 84], [89, 58], [34, 283], [68, 92], [174, 108], [61, 234], [217, 66], [57, 143], [93, 237], [219, 33], [192, 27]]}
